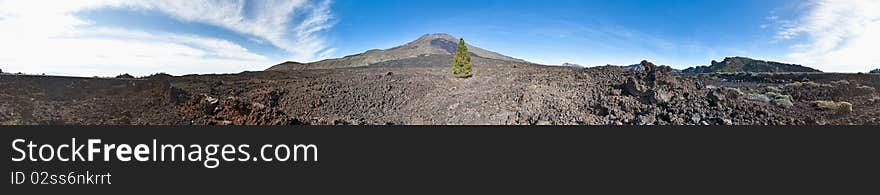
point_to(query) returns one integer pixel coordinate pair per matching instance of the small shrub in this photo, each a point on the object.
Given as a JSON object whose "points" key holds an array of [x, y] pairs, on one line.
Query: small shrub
{"points": [[865, 89], [775, 95], [734, 92], [785, 101], [840, 82], [807, 84], [757, 98], [831, 90], [849, 88], [836, 107]]}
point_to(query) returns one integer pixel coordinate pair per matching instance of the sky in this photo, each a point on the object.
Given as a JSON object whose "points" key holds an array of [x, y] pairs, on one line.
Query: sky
{"points": [[142, 37]]}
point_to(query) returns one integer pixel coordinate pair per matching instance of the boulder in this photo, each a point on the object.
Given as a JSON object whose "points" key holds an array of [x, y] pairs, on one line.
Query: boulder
{"points": [[634, 87], [714, 98], [661, 96]]}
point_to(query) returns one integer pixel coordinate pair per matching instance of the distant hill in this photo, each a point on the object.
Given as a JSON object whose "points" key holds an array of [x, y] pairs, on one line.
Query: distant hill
{"points": [[742, 64], [876, 71], [636, 67], [572, 65], [432, 46]]}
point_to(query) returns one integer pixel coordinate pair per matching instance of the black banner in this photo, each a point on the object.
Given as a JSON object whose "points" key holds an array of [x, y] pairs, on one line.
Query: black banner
{"points": [[466, 159]]}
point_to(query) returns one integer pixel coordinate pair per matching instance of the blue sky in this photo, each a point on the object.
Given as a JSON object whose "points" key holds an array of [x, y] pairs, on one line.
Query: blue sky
{"points": [[109, 37], [681, 33]]}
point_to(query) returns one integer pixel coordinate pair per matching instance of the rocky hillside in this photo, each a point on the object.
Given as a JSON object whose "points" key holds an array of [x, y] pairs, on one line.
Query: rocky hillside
{"points": [[501, 92], [427, 45], [742, 64]]}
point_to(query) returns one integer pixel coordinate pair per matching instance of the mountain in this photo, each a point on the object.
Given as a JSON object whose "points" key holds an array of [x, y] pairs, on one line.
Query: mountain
{"points": [[429, 45], [876, 71], [742, 64]]}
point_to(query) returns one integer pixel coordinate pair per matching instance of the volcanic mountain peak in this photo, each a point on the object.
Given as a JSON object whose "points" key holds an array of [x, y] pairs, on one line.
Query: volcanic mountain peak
{"points": [[426, 45], [431, 37], [436, 41]]}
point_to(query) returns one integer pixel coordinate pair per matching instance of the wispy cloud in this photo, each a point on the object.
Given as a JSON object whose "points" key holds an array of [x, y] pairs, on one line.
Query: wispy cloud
{"points": [[841, 35], [272, 20], [48, 36]]}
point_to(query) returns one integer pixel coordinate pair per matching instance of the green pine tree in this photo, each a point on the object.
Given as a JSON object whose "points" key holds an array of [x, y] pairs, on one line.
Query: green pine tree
{"points": [[461, 62]]}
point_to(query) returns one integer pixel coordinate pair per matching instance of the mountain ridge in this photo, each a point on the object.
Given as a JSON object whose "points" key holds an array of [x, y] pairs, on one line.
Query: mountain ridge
{"points": [[744, 64]]}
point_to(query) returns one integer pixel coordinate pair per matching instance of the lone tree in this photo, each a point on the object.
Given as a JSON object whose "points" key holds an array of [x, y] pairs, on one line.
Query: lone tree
{"points": [[461, 62]]}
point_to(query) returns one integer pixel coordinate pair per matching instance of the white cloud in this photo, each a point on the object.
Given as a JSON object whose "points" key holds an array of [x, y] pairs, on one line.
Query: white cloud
{"points": [[269, 20], [216, 47], [841, 35], [47, 36]]}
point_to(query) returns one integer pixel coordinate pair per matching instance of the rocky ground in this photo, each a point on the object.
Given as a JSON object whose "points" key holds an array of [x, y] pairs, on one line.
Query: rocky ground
{"points": [[500, 92]]}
